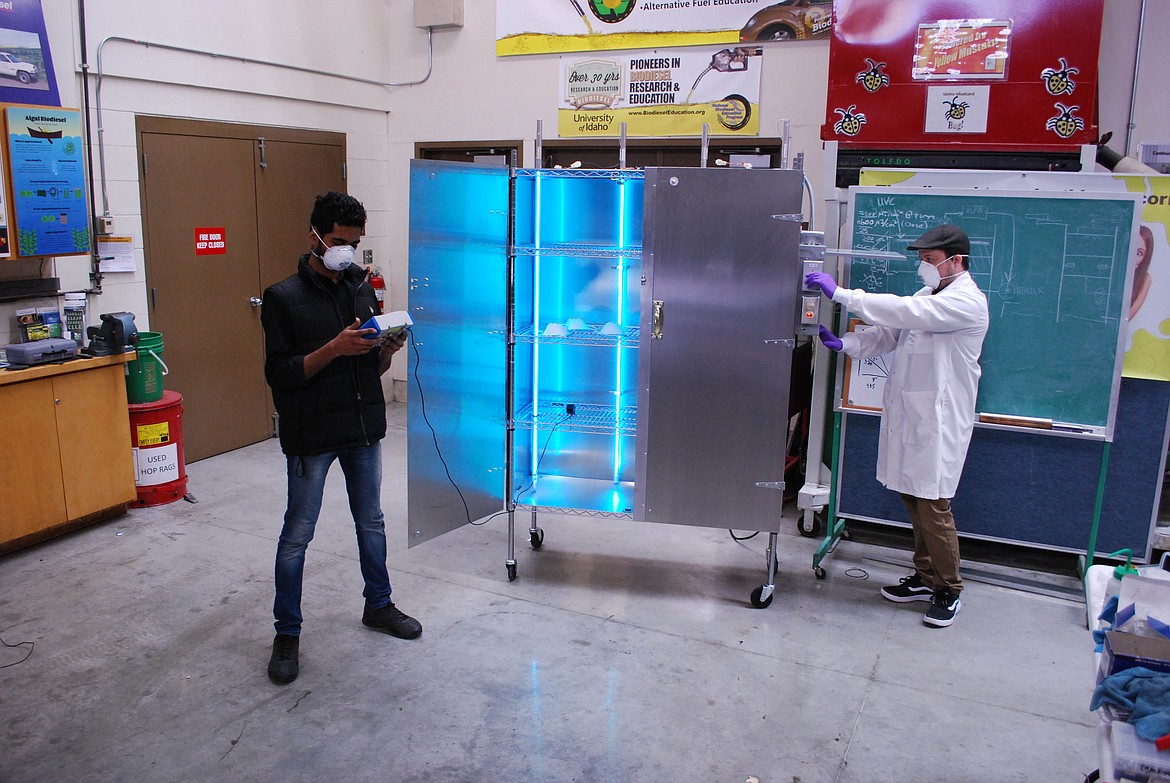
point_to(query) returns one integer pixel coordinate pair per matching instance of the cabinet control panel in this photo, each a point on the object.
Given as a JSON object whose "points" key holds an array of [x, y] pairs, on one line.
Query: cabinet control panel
{"points": [[812, 259]]}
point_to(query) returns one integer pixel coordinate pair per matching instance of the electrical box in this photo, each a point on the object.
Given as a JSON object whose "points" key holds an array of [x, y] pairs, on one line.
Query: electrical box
{"points": [[439, 14], [812, 259]]}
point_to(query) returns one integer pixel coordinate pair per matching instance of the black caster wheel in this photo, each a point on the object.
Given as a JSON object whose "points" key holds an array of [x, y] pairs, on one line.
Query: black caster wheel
{"points": [[1093, 776], [819, 572], [758, 602], [511, 572], [810, 529], [536, 538]]}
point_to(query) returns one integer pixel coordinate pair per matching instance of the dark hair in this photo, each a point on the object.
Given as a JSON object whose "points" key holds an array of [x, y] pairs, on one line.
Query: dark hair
{"points": [[1147, 238], [337, 209], [963, 251]]}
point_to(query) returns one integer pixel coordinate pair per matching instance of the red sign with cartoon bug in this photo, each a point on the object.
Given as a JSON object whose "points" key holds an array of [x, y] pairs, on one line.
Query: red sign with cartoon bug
{"points": [[927, 74]]}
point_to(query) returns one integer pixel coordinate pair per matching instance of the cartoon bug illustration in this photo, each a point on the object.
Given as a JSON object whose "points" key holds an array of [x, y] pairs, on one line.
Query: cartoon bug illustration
{"points": [[1065, 124], [850, 123], [958, 109], [1057, 81], [873, 79]]}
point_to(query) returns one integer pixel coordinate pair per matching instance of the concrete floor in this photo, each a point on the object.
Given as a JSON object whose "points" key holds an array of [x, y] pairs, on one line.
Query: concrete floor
{"points": [[622, 652]]}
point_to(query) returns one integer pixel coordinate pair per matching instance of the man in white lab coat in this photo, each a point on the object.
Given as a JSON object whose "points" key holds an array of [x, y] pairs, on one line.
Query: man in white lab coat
{"points": [[928, 406]]}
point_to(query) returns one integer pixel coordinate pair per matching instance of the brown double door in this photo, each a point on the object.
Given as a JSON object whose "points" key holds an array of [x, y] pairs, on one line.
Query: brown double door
{"points": [[256, 185]]}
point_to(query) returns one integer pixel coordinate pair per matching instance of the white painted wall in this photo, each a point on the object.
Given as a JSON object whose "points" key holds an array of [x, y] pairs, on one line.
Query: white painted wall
{"points": [[471, 95]]}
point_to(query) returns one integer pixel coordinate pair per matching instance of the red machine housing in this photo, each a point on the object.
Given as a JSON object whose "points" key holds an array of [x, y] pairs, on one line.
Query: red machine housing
{"points": [[996, 75]]}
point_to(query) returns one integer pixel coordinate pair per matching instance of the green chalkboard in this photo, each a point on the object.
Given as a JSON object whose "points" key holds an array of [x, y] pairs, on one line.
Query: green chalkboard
{"points": [[1055, 271]]}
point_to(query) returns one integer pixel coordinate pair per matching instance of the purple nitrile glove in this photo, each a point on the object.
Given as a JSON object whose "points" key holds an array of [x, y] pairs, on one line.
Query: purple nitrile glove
{"points": [[823, 281], [830, 340]]}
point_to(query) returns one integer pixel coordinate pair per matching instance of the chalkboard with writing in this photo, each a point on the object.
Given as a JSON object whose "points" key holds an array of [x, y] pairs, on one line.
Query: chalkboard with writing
{"points": [[1055, 269]]}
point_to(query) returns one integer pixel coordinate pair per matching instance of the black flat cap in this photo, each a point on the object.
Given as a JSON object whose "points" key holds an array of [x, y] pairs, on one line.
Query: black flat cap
{"points": [[951, 239]]}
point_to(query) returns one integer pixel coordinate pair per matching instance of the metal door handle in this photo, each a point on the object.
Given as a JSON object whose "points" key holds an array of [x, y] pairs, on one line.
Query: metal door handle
{"points": [[659, 315], [255, 301]]}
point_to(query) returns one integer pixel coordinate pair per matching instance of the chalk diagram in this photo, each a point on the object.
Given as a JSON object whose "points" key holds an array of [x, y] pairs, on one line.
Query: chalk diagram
{"points": [[1075, 279], [1085, 283], [1055, 270]]}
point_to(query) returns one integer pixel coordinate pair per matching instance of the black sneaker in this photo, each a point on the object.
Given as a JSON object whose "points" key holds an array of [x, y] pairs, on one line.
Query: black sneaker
{"points": [[910, 588], [389, 619], [943, 608], [282, 666]]}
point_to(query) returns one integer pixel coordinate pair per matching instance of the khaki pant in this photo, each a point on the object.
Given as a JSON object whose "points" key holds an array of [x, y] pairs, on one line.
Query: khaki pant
{"points": [[936, 543]]}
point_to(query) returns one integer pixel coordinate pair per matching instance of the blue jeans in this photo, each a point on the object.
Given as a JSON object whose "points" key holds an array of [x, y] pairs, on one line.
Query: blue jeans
{"points": [[306, 484]]}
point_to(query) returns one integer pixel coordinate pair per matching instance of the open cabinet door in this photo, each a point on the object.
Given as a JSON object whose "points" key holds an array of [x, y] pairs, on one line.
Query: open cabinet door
{"points": [[458, 299], [718, 323]]}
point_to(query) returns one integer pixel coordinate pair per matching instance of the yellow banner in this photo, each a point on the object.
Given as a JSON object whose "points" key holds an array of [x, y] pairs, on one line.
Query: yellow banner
{"points": [[685, 120], [540, 43], [661, 92], [558, 26]]}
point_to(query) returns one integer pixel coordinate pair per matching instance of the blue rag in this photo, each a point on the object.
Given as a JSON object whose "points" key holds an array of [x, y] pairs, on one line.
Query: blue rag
{"points": [[1145, 693], [1109, 610]]}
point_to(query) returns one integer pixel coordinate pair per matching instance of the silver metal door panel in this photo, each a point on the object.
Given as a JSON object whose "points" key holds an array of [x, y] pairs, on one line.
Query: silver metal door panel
{"points": [[458, 301], [714, 384]]}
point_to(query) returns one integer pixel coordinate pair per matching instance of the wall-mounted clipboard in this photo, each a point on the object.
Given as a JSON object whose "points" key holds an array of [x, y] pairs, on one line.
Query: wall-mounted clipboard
{"points": [[863, 380]]}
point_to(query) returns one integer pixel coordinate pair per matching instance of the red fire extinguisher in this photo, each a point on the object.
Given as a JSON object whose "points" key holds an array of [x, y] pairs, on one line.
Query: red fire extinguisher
{"points": [[378, 283]]}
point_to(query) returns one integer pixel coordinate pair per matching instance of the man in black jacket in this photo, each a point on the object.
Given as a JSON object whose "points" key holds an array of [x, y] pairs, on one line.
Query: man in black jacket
{"points": [[325, 373]]}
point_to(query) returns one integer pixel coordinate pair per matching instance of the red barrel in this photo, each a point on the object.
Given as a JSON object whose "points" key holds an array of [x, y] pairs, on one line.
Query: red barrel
{"points": [[156, 436]]}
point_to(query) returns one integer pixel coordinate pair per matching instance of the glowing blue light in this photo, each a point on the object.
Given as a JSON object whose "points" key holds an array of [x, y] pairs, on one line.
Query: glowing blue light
{"points": [[535, 436], [621, 297]]}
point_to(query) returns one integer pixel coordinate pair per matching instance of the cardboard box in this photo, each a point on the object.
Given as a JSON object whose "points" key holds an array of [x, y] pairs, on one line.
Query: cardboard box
{"points": [[1126, 650]]}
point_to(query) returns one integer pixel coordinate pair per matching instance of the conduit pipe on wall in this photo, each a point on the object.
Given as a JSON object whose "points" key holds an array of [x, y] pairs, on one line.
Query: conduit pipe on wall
{"points": [[95, 265], [247, 60], [1137, 64]]}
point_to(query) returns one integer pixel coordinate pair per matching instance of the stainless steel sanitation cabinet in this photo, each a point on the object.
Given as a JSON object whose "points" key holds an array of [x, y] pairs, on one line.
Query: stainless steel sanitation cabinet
{"points": [[606, 343]]}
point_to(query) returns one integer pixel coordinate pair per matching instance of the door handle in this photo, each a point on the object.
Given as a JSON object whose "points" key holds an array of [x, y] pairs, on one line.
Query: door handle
{"points": [[659, 315], [255, 301]]}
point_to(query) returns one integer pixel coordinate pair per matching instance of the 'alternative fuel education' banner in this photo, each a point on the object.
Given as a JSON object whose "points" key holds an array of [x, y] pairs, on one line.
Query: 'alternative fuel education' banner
{"points": [[661, 93], [543, 26]]}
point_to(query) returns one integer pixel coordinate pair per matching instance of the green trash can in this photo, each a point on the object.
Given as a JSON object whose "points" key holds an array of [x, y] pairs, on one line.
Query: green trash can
{"points": [[144, 375]]}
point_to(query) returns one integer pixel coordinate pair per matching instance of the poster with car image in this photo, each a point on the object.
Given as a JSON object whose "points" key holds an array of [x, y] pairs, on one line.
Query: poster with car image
{"points": [[667, 92], [26, 63], [543, 26]]}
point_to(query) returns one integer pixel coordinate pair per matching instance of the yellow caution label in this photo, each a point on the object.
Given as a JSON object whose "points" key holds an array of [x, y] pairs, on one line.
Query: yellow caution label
{"points": [[153, 434]]}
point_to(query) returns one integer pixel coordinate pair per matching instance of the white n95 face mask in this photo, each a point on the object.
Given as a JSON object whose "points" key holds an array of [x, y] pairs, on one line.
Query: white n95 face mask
{"points": [[337, 257], [928, 273]]}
